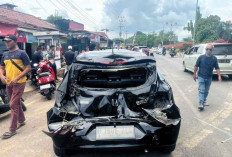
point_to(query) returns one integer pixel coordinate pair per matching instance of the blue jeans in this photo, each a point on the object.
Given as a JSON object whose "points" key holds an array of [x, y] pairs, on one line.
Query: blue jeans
{"points": [[204, 85]]}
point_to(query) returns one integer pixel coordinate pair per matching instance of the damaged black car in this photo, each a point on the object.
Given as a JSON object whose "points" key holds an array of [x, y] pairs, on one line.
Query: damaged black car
{"points": [[114, 99]]}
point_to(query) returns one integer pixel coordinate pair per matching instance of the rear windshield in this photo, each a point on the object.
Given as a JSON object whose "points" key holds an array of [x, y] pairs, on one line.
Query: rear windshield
{"points": [[222, 50]]}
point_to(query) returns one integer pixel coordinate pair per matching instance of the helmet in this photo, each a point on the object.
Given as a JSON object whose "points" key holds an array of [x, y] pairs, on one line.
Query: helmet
{"points": [[69, 47]]}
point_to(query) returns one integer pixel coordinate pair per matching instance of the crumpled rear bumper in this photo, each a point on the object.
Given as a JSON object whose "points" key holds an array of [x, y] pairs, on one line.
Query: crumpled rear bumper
{"points": [[82, 134]]}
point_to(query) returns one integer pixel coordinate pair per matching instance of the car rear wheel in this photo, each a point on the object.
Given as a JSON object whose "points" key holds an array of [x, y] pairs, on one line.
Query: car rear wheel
{"points": [[59, 151]]}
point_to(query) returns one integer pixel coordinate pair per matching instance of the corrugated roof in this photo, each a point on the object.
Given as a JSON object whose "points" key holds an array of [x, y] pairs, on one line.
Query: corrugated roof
{"points": [[23, 20], [103, 34]]}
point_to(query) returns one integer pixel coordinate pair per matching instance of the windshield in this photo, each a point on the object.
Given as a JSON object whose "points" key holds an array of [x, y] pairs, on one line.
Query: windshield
{"points": [[222, 50]]}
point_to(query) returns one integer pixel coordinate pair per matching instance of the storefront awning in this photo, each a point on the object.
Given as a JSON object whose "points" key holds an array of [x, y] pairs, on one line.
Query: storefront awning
{"points": [[7, 29]]}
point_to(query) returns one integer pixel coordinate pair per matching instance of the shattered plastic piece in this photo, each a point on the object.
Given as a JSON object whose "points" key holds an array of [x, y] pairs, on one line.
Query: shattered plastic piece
{"points": [[161, 117]]}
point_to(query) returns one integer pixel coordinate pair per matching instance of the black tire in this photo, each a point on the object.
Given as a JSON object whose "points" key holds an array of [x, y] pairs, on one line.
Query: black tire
{"points": [[23, 106], [49, 96], [59, 151]]}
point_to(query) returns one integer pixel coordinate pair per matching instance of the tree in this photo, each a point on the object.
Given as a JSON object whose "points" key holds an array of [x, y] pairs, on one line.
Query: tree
{"points": [[153, 39], [208, 29], [225, 31], [53, 18], [190, 28], [187, 39]]}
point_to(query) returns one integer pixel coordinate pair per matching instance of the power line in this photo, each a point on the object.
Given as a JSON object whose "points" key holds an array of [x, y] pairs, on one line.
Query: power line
{"points": [[42, 7], [84, 12], [75, 8], [74, 14]]}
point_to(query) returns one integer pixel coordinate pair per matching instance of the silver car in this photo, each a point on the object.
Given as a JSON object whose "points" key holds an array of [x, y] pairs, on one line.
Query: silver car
{"points": [[222, 51]]}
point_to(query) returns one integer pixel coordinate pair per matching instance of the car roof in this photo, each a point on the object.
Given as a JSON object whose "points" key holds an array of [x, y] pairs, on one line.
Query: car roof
{"points": [[109, 56], [213, 44], [104, 53]]}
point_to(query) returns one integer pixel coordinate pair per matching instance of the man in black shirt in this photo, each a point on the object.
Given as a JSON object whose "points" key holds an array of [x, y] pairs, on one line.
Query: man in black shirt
{"points": [[69, 57], [36, 58]]}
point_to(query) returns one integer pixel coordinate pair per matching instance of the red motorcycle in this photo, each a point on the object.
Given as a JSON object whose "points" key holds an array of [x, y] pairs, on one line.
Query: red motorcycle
{"points": [[46, 79]]}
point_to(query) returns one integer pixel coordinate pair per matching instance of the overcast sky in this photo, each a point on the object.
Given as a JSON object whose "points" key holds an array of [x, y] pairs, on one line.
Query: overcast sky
{"points": [[143, 15]]}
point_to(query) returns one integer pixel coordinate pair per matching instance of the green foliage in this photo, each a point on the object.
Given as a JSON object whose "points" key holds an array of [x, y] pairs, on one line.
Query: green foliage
{"points": [[225, 31], [208, 29], [119, 40], [187, 39], [62, 25], [186, 46], [190, 28], [53, 18], [153, 39]]}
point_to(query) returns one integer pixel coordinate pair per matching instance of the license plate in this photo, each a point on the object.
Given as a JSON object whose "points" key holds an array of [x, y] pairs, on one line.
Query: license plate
{"points": [[224, 61], [45, 86], [118, 132]]}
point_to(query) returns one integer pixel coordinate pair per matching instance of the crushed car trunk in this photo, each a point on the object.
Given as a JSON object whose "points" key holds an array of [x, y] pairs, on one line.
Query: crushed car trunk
{"points": [[133, 93]]}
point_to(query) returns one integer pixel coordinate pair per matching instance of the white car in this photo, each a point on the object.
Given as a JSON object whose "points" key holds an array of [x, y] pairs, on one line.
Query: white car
{"points": [[222, 51]]}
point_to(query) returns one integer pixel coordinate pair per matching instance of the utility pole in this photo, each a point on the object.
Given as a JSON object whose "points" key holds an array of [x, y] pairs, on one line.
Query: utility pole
{"points": [[194, 32], [171, 36], [126, 37], [121, 20], [162, 37]]}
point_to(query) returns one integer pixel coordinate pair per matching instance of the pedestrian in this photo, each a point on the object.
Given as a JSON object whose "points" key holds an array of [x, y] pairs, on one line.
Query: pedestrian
{"points": [[205, 65], [36, 57], [16, 64], [69, 58], [51, 58]]}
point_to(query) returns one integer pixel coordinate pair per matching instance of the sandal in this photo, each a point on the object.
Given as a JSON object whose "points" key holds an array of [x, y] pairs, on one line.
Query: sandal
{"points": [[19, 125], [8, 134]]}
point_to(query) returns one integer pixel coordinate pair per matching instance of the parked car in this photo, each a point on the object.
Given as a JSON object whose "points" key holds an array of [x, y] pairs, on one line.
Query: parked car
{"points": [[141, 48], [114, 100], [222, 51]]}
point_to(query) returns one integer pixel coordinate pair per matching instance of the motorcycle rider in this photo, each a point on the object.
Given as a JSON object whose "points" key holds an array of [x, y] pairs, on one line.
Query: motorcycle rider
{"points": [[51, 58], [164, 51], [36, 58]]}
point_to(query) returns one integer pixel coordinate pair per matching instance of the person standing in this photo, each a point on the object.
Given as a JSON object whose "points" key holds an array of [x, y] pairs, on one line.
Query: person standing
{"points": [[69, 58], [205, 63], [16, 64], [51, 58], [37, 57]]}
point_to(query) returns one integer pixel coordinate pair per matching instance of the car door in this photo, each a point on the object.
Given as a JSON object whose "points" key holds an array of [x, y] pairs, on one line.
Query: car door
{"points": [[193, 58], [187, 58]]}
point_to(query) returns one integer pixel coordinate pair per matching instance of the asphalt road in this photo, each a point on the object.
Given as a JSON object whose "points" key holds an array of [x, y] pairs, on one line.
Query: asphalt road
{"points": [[207, 133]]}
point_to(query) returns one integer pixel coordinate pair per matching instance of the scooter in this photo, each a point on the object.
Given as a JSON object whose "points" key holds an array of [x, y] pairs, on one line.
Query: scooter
{"points": [[46, 79], [173, 52], [4, 104], [34, 75]]}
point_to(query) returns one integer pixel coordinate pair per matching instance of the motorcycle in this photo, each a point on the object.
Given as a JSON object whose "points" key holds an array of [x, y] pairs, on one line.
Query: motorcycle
{"points": [[34, 75], [4, 104], [46, 79], [173, 52]]}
